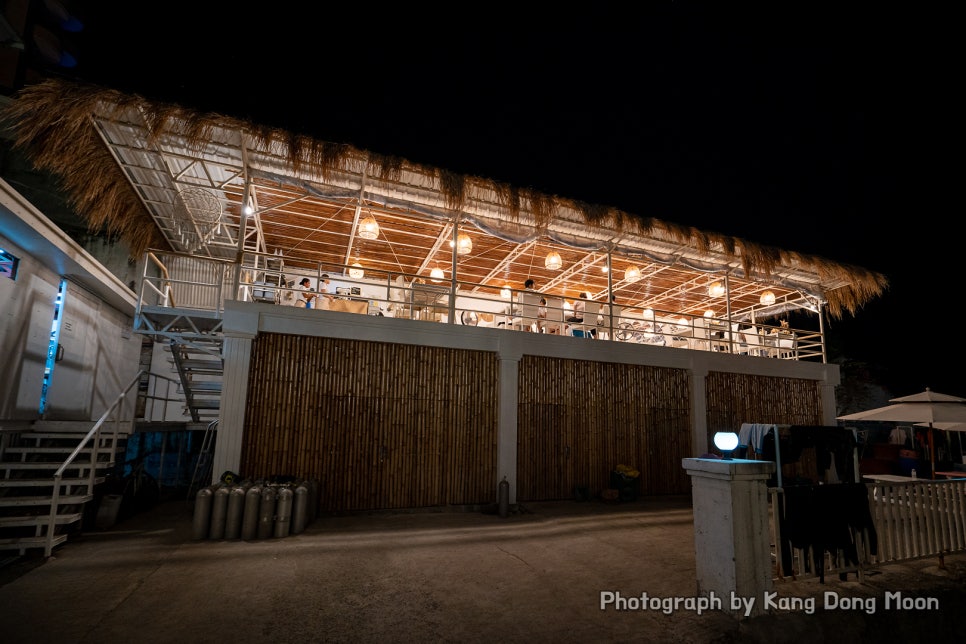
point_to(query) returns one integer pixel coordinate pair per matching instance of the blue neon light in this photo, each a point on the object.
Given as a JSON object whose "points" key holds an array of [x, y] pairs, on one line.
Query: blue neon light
{"points": [[54, 343]]}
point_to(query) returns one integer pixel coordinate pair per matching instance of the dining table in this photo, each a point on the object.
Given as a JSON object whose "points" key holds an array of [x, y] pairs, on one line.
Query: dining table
{"points": [[952, 475], [889, 478], [349, 306]]}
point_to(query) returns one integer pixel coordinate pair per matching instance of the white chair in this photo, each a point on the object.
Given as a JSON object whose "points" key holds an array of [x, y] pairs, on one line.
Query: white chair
{"points": [[699, 335], [736, 340], [555, 316], [610, 318], [754, 342], [526, 312], [399, 297], [591, 311], [788, 346]]}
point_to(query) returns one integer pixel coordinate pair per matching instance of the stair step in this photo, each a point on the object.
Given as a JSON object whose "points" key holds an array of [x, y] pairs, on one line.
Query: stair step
{"points": [[65, 449], [65, 426], [23, 501], [22, 543], [39, 519], [8, 425], [74, 436], [44, 465], [207, 404], [194, 364], [206, 385], [34, 482]]}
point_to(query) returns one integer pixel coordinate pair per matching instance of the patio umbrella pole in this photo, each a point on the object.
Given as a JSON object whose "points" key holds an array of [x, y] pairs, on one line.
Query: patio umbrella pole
{"points": [[932, 454]]}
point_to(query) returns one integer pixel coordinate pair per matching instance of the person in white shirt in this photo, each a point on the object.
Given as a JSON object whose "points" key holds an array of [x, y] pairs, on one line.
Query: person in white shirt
{"points": [[307, 296], [324, 296], [579, 307]]}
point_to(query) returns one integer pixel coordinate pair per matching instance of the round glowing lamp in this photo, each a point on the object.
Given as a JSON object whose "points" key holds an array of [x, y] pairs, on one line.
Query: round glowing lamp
{"points": [[727, 442]]}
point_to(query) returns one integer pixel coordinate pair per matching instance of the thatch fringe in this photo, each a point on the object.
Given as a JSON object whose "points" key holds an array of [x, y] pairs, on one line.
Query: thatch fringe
{"points": [[53, 125], [509, 197], [542, 207], [386, 167], [453, 187]]}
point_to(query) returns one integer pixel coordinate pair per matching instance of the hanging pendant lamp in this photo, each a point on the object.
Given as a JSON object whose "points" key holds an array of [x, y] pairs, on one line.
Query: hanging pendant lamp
{"points": [[369, 228], [464, 244], [553, 261]]}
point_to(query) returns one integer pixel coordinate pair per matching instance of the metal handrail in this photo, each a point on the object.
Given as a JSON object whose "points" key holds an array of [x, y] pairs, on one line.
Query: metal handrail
{"points": [[167, 295], [151, 395], [203, 455], [461, 299], [95, 434]]}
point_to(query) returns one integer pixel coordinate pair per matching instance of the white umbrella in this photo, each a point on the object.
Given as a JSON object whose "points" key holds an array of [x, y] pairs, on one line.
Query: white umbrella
{"points": [[929, 413], [928, 396], [928, 408], [949, 427]]}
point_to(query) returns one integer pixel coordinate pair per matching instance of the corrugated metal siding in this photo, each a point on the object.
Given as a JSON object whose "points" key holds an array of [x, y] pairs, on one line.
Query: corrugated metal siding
{"points": [[578, 420], [379, 425], [198, 283]]}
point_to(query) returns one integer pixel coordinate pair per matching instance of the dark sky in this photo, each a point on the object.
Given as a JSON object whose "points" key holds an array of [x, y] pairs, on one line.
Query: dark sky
{"points": [[826, 131]]}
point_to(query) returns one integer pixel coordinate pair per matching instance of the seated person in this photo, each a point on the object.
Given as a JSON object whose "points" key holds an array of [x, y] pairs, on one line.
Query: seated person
{"points": [[578, 313]]}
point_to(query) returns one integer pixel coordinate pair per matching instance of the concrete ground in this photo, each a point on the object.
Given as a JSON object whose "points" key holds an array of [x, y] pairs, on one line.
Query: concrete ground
{"points": [[534, 576]]}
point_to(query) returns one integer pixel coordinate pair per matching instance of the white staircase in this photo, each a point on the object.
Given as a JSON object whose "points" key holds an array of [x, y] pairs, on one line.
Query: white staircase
{"points": [[43, 491], [199, 368]]}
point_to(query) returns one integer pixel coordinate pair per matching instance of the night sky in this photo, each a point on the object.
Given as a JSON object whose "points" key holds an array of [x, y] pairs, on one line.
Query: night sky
{"points": [[825, 131]]}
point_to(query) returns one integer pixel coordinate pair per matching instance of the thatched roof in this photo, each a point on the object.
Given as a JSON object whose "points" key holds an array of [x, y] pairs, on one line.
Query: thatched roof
{"points": [[107, 149]]}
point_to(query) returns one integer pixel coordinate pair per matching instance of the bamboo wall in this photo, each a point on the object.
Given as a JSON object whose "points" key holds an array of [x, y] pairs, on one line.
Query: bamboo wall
{"points": [[384, 425], [578, 420], [378, 425], [733, 399]]}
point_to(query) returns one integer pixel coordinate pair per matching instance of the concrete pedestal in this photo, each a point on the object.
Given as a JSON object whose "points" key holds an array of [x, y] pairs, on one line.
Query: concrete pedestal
{"points": [[731, 534]]}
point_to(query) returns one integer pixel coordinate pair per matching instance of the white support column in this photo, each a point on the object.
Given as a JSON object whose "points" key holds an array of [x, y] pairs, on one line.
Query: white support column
{"points": [[506, 460], [240, 328], [699, 407], [828, 404], [731, 536]]}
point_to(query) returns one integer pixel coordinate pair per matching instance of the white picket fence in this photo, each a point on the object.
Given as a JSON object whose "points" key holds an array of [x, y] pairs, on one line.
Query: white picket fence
{"points": [[918, 518], [912, 519]]}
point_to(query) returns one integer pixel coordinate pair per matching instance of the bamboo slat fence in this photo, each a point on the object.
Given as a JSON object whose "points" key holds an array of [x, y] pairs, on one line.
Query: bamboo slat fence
{"points": [[379, 425], [384, 425]]}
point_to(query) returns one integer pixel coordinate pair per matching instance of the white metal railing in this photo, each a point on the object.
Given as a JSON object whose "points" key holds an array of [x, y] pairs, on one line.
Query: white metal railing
{"points": [[92, 437], [271, 278], [157, 397]]}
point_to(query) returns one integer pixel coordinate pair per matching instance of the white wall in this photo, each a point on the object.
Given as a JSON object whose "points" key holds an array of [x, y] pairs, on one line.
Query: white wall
{"points": [[101, 351], [26, 314]]}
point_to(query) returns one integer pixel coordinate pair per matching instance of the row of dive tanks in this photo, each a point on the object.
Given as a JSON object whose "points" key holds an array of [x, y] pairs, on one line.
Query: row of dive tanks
{"points": [[254, 510]]}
